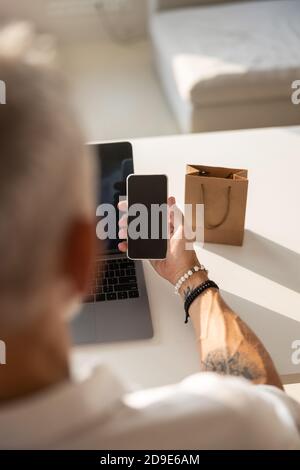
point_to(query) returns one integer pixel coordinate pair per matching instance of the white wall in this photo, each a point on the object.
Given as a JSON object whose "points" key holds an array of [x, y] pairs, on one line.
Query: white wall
{"points": [[81, 19], [21, 9]]}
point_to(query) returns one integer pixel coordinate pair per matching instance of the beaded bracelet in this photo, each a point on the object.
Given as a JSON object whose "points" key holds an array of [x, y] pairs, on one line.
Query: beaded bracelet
{"points": [[187, 275], [195, 293]]}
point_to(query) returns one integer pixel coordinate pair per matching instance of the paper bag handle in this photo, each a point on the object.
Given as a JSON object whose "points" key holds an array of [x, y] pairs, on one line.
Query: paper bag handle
{"points": [[210, 226]]}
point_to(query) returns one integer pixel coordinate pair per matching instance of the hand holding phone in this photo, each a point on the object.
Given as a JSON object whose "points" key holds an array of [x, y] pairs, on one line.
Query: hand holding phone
{"points": [[178, 259]]}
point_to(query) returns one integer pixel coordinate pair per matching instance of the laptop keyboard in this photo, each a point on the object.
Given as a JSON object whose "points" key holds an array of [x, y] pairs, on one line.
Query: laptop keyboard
{"points": [[114, 279]]}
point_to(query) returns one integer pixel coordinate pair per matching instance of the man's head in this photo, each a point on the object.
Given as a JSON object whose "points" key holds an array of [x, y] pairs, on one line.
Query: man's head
{"points": [[46, 188]]}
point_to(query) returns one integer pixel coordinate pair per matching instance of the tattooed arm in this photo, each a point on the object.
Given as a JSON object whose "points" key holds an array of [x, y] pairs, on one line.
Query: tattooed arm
{"points": [[226, 344]]}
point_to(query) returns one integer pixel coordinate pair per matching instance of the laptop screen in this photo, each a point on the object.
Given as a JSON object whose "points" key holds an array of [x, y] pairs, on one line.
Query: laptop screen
{"points": [[115, 164]]}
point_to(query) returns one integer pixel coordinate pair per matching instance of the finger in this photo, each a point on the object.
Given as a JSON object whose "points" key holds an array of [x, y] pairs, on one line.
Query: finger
{"points": [[171, 204], [123, 206], [171, 201], [122, 234], [122, 247], [177, 222], [177, 215], [123, 222]]}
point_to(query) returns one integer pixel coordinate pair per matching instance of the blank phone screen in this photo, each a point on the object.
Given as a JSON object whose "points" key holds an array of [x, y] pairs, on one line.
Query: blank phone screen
{"points": [[148, 229]]}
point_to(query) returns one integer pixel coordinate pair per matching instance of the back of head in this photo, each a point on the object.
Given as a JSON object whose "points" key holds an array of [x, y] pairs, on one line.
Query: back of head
{"points": [[45, 173]]}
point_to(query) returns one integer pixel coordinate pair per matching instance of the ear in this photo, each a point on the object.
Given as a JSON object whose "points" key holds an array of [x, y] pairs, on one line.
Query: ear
{"points": [[80, 254]]}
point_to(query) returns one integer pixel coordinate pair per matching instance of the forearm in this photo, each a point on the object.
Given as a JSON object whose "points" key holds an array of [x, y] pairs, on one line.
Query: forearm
{"points": [[226, 344]]}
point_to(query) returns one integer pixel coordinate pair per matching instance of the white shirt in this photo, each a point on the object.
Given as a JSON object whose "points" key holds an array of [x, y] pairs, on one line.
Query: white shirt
{"points": [[205, 411]]}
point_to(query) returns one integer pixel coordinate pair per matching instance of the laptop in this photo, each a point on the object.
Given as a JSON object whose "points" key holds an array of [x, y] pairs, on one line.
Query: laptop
{"points": [[116, 307]]}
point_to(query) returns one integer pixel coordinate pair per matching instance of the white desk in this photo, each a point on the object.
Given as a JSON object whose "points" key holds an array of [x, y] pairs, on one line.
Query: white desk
{"points": [[261, 280]]}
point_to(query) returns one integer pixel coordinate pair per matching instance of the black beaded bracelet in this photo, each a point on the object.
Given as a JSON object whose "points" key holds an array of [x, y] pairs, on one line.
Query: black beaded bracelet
{"points": [[195, 293]]}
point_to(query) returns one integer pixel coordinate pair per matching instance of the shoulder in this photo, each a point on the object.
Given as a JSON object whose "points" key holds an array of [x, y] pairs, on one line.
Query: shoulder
{"points": [[212, 411]]}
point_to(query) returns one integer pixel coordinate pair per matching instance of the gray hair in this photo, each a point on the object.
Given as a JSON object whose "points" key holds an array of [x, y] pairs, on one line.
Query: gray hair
{"points": [[46, 173]]}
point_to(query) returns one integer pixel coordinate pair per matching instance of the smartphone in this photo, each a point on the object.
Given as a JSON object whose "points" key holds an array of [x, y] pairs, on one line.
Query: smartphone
{"points": [[147, 197]]}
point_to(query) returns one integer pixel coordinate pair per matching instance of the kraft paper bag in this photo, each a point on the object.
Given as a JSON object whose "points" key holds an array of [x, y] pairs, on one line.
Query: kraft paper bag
{"points": [[223, 191]]}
